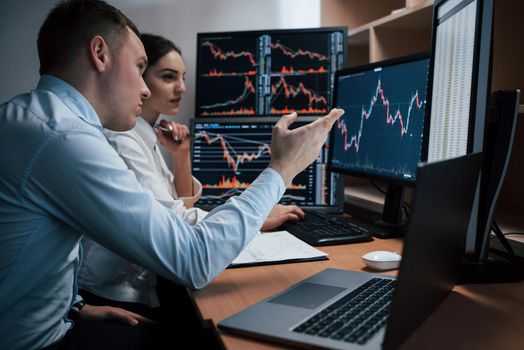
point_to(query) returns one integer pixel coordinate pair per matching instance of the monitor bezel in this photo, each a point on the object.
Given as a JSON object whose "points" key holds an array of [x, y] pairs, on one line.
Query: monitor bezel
{"points": [[482, 62], [424, 55], [475, 141], [338, 186], [320, 30]]}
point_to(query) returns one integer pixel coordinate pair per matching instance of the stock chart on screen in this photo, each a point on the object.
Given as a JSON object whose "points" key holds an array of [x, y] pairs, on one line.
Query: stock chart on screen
{"points": [[228, 155], [263, 73], [382, 129]]}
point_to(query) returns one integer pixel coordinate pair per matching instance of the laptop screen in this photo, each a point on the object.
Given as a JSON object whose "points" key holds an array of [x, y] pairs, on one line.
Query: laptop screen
{"points": [[228, 154]]}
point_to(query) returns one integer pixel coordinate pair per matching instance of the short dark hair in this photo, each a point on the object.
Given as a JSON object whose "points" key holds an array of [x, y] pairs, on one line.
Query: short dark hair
{"points": [[71, 24], [156, 47]]}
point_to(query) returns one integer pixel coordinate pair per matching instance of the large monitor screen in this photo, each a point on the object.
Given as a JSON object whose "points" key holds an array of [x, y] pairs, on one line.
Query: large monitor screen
{"points": [[460, 72], [380, 135], [268, 73], [451, 133], [228, 154]]}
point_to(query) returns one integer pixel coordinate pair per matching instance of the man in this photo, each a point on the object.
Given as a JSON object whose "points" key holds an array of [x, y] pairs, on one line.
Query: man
{"points": [[60, 179]]}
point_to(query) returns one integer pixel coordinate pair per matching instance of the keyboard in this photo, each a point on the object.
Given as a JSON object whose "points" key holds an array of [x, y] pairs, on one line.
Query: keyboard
{"points": [[356, 317], [317, 229]]}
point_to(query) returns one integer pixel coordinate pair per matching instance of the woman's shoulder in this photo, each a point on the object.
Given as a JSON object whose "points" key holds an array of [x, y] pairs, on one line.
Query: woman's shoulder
{"points": [[121, 137], [125, 142]]}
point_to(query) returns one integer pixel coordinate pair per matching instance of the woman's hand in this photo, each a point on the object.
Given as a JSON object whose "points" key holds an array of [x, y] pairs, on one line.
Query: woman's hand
{"points": [[110, 313], [176, 141]]}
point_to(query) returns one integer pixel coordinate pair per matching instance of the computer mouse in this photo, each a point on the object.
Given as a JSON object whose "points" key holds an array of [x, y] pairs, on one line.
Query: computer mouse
{"points": [[381, 260]]}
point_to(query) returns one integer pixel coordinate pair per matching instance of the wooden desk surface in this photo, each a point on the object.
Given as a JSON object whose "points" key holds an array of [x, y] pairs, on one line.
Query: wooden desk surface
{"points": [[472, 317]]}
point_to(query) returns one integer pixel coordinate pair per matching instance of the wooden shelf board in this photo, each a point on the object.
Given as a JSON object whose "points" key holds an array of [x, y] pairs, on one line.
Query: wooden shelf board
{"points": [[365, 197], [360, 37], [408, 18]]}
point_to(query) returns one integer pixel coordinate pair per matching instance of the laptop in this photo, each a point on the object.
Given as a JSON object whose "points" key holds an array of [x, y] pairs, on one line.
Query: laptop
{"points": [[319, 311], [229, 153]]}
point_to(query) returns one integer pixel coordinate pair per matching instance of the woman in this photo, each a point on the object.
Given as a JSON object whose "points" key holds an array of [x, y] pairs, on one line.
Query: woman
{"points": [[107, 279]]}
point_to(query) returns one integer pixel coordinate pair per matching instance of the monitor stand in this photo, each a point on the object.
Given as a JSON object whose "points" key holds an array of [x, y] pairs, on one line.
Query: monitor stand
{"points": [[391, 224], [481, 266], [493, 269]]}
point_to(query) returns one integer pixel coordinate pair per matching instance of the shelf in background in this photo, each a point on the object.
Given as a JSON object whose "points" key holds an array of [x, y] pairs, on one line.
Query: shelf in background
{"points": [[416, 17], [364, 196], [378, 39], [385, 29]]}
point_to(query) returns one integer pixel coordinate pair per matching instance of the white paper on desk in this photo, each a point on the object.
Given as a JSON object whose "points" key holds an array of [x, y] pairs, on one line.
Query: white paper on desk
{"points": [[277, 246]]}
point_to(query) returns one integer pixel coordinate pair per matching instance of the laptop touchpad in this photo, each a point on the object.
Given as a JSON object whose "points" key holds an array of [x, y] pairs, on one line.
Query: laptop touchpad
{"points": [[307, 295]]}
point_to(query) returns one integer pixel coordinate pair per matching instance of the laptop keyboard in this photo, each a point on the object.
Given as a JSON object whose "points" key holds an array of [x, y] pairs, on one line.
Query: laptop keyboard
{"points": [[317, 229], [356, 317]]}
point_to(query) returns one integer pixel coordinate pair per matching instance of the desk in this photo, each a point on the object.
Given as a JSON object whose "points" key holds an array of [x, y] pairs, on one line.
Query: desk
{"points": [[472, 317]]}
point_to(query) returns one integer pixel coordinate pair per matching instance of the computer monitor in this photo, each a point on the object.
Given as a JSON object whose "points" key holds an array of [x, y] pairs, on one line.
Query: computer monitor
{"points": [[229, 153], [461, 120], [380, 135], [500, 132], [268, 72], [460, 76]]}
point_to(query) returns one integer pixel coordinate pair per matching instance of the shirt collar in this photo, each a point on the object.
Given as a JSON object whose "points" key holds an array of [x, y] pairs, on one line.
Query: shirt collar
{"points": [[71, 97], [146, 132]]}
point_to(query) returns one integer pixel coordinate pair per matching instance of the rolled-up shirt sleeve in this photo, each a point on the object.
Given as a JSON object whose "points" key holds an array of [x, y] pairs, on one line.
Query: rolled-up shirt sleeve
{"points": [[189, 201], [188, 212]]}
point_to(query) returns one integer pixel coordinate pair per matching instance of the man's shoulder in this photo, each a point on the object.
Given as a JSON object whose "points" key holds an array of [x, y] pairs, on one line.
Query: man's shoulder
{"points": [[29, 102], [37, 108]]}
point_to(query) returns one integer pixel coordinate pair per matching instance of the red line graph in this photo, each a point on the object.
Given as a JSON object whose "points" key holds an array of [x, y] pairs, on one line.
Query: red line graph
{"points": [[214, 73], [233, 182], [218, 53], [240, 111], [248, 90], [390, 119], [291, 91], [294, 53], [231, 156], [228, 183], [287, 110], [289, 71]]}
